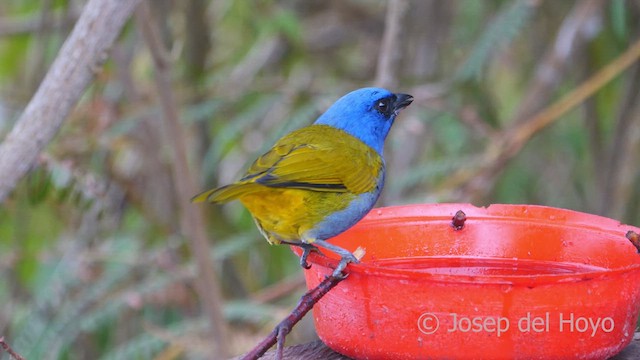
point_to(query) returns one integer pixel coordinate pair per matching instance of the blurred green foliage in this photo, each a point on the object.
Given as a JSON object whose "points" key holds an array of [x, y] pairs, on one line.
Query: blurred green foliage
{"points": [[91, 265]]}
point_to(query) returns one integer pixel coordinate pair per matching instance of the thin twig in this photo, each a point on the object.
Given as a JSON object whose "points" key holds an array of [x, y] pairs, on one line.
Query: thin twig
{"points": [[192, 219], [305, 304], [9, 350]]}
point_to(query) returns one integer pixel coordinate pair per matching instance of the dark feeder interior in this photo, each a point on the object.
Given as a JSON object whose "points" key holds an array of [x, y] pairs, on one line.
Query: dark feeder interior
{"points": [[506, 281]]}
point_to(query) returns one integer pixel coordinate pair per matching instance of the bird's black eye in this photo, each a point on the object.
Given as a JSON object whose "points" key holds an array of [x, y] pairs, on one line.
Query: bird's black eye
{"points": [[384, 106]]}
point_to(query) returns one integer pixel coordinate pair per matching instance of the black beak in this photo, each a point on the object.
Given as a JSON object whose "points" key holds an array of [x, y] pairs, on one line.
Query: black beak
{"points": [[402, 101]]}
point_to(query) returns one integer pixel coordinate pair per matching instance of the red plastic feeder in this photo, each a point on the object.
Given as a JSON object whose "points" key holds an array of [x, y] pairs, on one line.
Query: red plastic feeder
{"points": [[514, 282]]}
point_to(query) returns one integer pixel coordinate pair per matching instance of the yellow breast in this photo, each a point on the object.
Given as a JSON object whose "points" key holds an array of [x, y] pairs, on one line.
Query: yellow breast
{"points": [[285, 214]]}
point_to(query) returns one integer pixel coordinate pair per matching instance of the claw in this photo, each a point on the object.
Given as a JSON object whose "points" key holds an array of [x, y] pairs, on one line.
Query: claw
{"points": [[344, 261], [306, 250], [339, 275], [303, 258], [346, 257]]}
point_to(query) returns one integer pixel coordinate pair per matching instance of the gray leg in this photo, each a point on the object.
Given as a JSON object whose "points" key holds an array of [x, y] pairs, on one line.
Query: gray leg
{"points": [[346, 257], [306, 250]]}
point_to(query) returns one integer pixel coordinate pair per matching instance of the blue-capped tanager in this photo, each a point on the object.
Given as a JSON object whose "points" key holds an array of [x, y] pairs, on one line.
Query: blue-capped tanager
{"points": [[318, 181]]}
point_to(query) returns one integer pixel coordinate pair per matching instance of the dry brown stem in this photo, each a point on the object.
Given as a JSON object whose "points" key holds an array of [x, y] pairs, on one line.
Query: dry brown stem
{"points": [[191, 216]]}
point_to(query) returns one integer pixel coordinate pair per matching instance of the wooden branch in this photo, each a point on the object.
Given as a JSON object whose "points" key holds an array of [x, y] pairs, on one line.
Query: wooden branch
{"points": [[305, 304], [318, 350], [191, 216], [309, 351], [9, 350], [81, 55]]}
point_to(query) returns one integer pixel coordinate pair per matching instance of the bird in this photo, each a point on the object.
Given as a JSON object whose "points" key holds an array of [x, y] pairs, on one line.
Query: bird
{"points": [[320, 180]]}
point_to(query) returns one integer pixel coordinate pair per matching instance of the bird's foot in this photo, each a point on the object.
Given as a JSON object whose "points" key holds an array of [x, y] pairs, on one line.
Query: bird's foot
{"points": [[346, 257], [344, 261], [306, 250]]}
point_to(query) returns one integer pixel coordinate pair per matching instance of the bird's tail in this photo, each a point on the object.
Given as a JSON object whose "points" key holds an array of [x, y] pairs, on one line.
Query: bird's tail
{"points": [[226, 193]]}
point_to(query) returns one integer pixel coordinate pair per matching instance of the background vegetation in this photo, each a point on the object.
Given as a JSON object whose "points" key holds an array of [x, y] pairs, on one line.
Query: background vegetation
{"points": [[93, 262]]}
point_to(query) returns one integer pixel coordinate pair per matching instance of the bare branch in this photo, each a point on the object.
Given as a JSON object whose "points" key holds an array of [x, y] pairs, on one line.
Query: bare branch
{"points": [[310, 351], [9, 350], [191, 217], [306, 303], [72, 71]]}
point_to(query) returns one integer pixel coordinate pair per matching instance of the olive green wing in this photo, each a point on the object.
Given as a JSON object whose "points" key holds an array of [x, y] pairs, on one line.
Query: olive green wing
{"points": [[318, 158]]}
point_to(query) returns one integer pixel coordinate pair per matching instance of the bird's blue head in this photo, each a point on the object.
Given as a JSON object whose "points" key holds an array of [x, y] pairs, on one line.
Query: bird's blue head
{"points": [[366, 114]]}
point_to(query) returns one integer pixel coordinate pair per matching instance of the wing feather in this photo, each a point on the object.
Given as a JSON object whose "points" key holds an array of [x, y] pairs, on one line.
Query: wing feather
{"points": [[318, 158]]}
